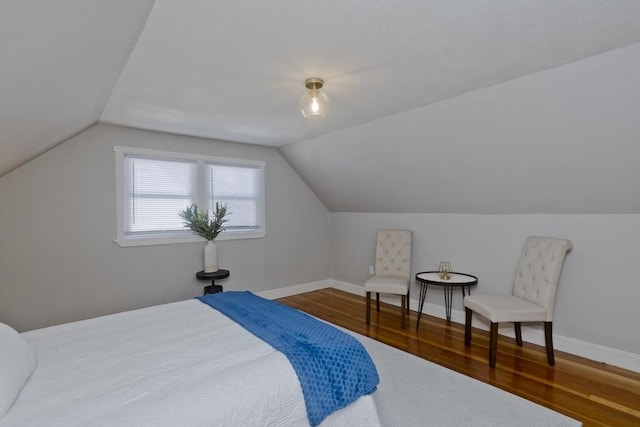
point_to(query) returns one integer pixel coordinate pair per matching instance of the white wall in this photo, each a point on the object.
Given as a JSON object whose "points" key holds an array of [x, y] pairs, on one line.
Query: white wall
{"points": [[598, 299], [58, 261]]}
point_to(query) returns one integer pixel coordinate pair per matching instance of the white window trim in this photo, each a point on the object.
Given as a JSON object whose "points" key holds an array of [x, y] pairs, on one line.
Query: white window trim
{"points": [[128, 241]]}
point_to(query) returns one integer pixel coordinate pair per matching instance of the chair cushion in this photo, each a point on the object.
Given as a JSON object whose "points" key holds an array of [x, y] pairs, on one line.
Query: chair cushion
{"points": [[505, 308], [17, 363], [389, 285]]}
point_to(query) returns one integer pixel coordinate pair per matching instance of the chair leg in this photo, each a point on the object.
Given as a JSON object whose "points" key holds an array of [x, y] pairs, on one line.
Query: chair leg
{"points": [[467, 326], [378, 301], [548, 338], [404, 313], [408, 299], [493, 344], [368, 308], [518, 329]]}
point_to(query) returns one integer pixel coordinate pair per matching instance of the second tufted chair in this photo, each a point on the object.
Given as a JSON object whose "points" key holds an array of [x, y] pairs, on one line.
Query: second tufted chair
{"points": [[532, 298], [392, 269]]}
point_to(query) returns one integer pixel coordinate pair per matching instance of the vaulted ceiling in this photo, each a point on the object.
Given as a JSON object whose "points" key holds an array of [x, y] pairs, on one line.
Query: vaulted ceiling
{"points": [[234, 70], [59, 61]]}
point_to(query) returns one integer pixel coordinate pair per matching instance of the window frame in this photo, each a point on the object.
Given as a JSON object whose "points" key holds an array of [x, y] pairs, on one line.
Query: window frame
{"points": [[187, 236]]}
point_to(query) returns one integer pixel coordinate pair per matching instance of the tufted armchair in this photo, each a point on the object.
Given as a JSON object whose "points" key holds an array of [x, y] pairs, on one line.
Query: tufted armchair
{"points": [[392, 269], [533, 296]]}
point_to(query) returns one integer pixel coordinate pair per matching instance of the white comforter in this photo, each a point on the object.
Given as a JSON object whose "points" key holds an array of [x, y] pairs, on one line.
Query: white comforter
{"points": [[179, 364]]}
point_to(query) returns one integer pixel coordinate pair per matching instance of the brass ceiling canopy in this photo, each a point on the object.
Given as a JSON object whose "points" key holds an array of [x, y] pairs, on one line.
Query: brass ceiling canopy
{"points": [[314, 83]]}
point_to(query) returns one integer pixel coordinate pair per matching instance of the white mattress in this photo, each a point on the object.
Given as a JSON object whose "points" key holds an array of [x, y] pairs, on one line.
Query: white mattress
{"points": [[180, 364]]}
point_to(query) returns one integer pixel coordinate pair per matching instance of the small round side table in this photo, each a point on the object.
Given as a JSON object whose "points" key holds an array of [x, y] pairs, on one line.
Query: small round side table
{"points": [[457, 280]]}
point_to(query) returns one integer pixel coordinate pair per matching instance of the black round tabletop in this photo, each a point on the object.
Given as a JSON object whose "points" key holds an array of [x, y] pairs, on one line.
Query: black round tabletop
{"points": [[457, 279], [220, 274]]}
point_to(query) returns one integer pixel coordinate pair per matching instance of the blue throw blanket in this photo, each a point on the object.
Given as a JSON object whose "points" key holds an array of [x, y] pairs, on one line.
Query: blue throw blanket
{"points": [[334, 369]]}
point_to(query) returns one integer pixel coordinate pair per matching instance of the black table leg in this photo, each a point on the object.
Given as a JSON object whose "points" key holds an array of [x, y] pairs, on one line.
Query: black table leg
{"points": [[213, 288], [423, 295], [448, 297]]}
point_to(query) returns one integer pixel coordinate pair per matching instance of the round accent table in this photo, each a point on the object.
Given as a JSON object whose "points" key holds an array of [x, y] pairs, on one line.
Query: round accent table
{"points": [[457, 280], [216, 275]]}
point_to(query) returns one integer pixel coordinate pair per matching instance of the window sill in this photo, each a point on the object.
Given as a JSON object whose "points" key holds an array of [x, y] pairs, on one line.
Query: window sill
{"points": [[155, 241]]}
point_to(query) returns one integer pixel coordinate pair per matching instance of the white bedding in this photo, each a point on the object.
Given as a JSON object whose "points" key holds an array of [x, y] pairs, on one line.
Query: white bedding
{"points": [[180, 364]]}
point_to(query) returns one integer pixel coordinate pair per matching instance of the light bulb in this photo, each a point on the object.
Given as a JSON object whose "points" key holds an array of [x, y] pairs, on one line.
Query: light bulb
{"points": [[315, 107], [313, 103]]}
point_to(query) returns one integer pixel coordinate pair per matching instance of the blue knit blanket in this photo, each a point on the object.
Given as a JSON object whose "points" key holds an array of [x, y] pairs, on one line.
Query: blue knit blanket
{"points": [[333, 368]]}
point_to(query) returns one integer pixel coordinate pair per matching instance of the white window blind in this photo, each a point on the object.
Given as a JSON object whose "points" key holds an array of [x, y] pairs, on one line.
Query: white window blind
{"points": [[156, 190], [238, 188], [154, 186]]}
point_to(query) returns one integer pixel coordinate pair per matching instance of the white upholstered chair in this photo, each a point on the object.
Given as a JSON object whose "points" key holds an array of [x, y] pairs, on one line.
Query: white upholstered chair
{"points": [[392, 269], [532, 298]]}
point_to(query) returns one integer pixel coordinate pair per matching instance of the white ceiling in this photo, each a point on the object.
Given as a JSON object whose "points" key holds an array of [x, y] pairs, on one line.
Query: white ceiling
{"points": [[234, 69], [564, 140], [59, 61]]}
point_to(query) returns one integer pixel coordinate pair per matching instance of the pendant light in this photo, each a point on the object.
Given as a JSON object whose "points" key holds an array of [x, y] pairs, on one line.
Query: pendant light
{"points": [[314, 102]]}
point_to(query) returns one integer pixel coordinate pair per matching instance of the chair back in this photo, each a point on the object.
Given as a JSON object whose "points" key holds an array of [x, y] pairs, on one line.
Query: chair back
{"points": [[539, 269], [393, 253]]}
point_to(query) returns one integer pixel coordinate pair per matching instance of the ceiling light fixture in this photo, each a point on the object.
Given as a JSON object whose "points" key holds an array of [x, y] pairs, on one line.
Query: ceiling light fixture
{"points": [[313, 103]]}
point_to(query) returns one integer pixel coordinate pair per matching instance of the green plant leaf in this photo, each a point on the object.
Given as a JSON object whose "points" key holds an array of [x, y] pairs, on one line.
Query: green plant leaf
{"points": [[203, 224]]}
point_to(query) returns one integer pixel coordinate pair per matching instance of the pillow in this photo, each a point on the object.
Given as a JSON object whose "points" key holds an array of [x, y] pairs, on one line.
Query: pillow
{"points": [[17, 363]]}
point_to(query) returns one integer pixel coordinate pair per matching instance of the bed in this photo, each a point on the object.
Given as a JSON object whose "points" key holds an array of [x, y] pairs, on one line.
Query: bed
{"points": [[178, 364]]}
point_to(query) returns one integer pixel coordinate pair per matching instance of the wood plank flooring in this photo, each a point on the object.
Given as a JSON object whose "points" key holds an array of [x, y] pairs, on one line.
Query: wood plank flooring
{"points": [[592, 392]]}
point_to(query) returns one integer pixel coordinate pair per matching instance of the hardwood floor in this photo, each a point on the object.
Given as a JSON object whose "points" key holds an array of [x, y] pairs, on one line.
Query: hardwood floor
{"points": [[592, 392]]}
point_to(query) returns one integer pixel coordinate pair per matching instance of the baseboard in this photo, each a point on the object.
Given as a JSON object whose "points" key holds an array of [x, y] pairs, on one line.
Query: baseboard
{"points": [[596, 352], [295, 289]]}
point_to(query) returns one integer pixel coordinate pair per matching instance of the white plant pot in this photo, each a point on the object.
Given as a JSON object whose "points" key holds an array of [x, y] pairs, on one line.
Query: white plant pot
{"points": [[210, 257]]}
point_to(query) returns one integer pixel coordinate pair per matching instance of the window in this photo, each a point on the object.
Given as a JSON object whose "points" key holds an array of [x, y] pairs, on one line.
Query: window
{"points": [[153, 186]]}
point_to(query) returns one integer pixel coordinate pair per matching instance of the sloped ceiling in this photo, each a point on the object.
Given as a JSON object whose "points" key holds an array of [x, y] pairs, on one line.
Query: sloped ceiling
{"points": [[234, 70], [564, 140], [59, 61]]}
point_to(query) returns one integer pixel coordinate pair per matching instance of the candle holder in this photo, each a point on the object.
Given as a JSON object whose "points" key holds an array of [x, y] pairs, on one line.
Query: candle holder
{"points": [[445, 270]]}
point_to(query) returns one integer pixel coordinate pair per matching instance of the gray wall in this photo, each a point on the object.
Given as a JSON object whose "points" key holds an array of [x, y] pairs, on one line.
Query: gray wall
{"points": [[599, 291], [58, 261]]}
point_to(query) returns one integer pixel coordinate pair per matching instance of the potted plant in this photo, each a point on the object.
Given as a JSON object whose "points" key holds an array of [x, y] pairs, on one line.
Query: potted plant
{"points": [[208, 226]]}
